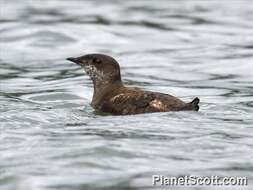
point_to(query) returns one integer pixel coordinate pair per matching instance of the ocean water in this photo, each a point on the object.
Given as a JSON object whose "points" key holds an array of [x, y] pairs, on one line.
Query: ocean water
{"points": [[50, 137]]}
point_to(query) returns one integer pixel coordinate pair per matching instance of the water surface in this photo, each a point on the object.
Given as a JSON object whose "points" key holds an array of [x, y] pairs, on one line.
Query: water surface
{"points": [[50, 138]]}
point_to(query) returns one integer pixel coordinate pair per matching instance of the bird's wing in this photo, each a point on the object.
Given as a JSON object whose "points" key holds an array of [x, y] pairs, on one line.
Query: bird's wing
{"points": [[140, 102]]}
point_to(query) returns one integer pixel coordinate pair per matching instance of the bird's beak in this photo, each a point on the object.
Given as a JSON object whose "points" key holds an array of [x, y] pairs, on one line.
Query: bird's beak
{"points": [[75, 60]]}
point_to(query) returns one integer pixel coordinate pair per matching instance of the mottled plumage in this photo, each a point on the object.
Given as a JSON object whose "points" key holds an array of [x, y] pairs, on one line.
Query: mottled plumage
{"points": [[111, 96]]}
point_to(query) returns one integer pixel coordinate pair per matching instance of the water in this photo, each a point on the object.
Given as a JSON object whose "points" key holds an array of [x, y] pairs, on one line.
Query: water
{"points": [[50, 137]]}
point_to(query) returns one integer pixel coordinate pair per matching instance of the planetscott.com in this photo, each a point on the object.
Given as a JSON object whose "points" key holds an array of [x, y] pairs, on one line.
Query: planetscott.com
{"points": [[161, 180]]}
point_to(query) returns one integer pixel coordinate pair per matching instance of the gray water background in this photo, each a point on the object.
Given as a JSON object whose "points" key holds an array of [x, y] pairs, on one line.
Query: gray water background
{"points": [[50, 138]]}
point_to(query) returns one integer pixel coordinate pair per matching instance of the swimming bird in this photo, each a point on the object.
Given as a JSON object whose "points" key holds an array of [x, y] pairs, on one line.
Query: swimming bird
{"points": [[112, 96]]}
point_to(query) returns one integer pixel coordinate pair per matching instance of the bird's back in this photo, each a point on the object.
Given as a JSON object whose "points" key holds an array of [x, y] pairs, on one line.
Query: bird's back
{"points": [[125, 101]]}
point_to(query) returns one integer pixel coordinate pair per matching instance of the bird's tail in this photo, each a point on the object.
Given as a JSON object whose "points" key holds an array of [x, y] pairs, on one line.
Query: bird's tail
{"points": [[194, 104]]}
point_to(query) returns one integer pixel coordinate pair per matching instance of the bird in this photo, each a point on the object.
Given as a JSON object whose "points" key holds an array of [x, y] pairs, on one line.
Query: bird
{"points": [[111, 96]]}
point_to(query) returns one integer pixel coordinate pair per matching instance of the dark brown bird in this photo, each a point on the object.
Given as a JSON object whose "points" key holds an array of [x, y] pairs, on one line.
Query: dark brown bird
{"points": [[111, 96]]}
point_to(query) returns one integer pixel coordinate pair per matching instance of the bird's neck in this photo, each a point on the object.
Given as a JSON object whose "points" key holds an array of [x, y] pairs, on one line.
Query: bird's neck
{"points": [[102, 89]]}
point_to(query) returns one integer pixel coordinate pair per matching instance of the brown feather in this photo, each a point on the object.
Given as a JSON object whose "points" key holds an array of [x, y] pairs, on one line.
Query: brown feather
{"points": [[124, 101]]}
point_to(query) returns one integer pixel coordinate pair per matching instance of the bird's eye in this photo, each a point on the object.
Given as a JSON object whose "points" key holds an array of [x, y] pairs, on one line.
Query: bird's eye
{"points": [[97, 60]]}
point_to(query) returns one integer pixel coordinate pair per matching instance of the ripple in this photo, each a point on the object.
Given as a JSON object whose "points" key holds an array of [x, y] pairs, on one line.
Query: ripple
{"points": [[40, 38]]}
